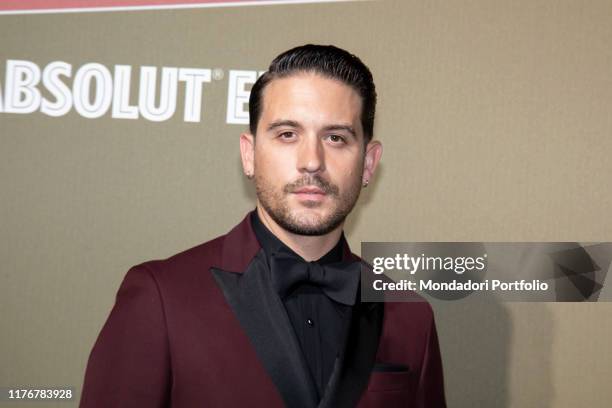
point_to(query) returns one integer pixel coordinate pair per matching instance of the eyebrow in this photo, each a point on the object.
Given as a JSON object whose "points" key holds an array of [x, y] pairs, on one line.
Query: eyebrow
{"points": [[281, 123], [345, 128], [294, 124]]}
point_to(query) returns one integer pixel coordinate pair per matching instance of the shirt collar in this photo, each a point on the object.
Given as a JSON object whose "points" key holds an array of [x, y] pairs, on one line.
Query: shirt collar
{"points": [[271, 244]]}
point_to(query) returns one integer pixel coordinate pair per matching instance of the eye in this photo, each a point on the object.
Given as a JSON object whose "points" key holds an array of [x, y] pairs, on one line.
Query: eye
{"points": [[287, 135], [336, 139]]}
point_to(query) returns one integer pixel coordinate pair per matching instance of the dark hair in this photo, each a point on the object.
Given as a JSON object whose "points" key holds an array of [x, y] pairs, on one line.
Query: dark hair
{"points": [[328, 61]]}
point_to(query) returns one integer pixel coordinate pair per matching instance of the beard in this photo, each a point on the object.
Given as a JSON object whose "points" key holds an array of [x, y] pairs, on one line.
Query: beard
{"points": [[276, 204]]}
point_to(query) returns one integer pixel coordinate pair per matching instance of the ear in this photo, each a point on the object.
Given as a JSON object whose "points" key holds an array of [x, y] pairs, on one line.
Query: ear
{"points": [[247, 154], [373, 152]]}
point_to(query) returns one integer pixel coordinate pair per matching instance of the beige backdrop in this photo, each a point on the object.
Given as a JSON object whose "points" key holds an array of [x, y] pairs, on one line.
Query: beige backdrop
{"points": [[495, 119]]}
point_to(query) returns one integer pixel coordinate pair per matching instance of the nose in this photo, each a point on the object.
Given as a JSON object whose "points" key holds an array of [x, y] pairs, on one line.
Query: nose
{"points": [[311, 155]]}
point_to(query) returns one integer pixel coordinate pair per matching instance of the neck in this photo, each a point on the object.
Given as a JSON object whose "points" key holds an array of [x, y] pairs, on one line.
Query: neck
{"points": [[309, 247]]}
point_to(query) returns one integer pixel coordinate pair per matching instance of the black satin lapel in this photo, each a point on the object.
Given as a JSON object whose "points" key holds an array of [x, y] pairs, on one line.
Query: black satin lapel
{"points": [[352, 370], [265, 321]]}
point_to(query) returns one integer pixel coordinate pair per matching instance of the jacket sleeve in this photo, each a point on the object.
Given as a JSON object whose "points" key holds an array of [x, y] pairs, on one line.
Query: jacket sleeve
{"points": [[430, 393], [129, 365]]}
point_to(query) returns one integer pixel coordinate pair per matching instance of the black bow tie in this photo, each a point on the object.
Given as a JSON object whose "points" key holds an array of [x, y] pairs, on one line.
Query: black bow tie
{"points": [[339, 281]]}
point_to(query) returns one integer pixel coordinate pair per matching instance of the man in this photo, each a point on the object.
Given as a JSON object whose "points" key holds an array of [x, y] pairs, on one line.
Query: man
{"points": [[270, 315]]}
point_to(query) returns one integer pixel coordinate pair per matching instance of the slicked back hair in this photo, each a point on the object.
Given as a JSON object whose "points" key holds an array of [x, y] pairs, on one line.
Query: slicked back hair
{"points": [[327, 61]]}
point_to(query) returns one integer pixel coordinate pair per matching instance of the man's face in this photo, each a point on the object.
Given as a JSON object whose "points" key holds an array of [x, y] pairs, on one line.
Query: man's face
{"points": [[309, 153]]}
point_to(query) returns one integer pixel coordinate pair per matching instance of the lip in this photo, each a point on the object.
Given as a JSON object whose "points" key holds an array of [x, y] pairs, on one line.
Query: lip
{"points": [[310, 190], [312, 194]]}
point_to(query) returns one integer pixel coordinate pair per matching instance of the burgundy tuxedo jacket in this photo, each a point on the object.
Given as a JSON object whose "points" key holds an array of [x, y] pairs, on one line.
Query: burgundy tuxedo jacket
{"points": [[205, 329]]}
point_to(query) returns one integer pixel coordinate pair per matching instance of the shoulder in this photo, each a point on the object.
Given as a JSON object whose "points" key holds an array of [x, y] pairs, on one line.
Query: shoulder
{"points": [[181, 270], [207, 252]]}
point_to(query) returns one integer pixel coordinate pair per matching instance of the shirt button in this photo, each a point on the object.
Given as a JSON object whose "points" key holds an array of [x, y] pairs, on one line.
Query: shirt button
{"points": [[309, 322]]}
